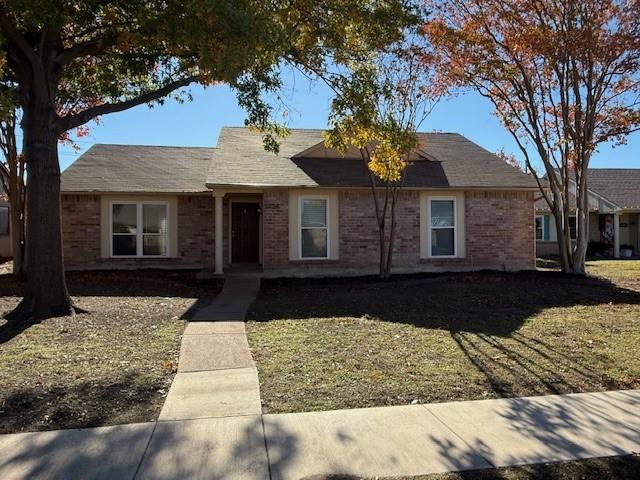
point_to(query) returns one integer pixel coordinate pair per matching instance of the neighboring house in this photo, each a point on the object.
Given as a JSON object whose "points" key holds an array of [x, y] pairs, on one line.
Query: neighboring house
{"points": [[5, 230], [614, 215], [305, 211]]}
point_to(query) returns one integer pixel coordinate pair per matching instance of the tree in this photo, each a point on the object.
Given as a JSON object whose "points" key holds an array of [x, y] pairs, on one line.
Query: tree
{"points": [[378, 108], [564, 78], [73, 61], [12, 173]]}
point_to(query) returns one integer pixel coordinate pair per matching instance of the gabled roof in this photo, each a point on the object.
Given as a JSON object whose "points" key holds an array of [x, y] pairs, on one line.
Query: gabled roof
{"points": [[452, 161], [444, 160], [619, 185], [138, 168], [609, 189]]}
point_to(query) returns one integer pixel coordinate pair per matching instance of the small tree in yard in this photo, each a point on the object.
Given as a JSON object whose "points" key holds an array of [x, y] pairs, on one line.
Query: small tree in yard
{"points": [[564, 78], [73, 61], [378, 108]]}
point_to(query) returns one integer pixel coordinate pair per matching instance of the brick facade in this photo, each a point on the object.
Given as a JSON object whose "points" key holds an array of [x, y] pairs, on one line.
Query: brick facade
{"points": [[81, 235], [275, 227], [500, 230], [81, 229], [498, 224]]}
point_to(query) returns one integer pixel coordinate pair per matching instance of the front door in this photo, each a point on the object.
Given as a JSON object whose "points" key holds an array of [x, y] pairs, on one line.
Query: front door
{"points": [[245, 232]]}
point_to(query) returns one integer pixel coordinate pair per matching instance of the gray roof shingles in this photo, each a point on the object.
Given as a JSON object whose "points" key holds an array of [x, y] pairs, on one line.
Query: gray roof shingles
{"points": [[138, 168], [457, 162], [619, 185], [240, 160]]}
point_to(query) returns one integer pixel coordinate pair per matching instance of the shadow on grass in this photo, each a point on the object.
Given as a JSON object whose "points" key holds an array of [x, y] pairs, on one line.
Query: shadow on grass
{"points": [[490, 303], [126, 283], [130, 398]]}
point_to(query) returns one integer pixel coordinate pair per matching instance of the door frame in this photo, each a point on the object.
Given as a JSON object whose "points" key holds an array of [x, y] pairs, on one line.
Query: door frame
{"points": [[240, 199]]}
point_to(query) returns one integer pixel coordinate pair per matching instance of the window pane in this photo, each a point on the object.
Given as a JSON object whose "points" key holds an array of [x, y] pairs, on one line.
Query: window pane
{"points": [[442, 242], [314, 212], [154, 218], [4, 220], [538, 228], [124, 244], [442, 213], [125, 218], [154, 245], [314, 243]]}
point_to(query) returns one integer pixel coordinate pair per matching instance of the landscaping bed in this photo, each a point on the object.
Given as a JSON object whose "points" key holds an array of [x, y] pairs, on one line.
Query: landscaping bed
{"points": [[324, 345], [113, 363]]}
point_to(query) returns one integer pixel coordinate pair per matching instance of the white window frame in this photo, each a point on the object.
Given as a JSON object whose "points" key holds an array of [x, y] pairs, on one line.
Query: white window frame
{"points": [[541, 217], [431, 228], [301, 199], [139, 228]]}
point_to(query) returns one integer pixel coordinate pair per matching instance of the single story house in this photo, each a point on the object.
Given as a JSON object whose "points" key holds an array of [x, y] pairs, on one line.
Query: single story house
{"points": [[614, 215], [304, 211]]}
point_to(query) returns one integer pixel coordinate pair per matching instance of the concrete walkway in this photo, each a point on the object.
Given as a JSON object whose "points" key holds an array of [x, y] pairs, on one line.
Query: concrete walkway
{"points": [[216, 373], [389, 441]]}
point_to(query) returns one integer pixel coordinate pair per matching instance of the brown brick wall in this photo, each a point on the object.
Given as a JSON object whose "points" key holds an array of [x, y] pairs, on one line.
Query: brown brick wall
{"points": [[500, 229], [196, 230], [81, 235], [275, 227], [499, 234], [81, 229]]}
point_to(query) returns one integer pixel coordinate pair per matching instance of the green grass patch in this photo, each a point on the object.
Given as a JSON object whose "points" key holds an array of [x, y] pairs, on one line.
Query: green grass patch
{"points": [[457, 337]]}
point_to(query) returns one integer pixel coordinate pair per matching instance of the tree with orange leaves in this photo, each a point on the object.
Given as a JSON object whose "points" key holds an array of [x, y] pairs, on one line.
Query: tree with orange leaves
{"points": [[564, 78]]}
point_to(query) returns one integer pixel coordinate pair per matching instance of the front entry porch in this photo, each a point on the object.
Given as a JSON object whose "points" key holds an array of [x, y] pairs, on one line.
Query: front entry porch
{"points": [[238, 232]]}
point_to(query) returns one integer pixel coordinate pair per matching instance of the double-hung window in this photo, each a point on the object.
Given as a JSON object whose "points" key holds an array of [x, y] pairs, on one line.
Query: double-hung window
{"points": [[442, 227], [139, 229], [314, 227]]}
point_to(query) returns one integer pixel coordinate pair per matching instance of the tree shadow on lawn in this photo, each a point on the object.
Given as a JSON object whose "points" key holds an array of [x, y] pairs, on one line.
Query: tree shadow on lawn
{"points": [[490, 303], [483, 313], [126, 283], [129, 398]]}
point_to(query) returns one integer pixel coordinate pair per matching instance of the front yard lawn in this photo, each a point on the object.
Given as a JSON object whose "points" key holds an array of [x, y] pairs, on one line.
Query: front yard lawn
{"points": [[345, 344], [110, 365]]}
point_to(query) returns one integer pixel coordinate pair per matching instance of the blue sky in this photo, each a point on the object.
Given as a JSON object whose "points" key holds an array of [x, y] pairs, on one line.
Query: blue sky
{"points": [[198, 123]]}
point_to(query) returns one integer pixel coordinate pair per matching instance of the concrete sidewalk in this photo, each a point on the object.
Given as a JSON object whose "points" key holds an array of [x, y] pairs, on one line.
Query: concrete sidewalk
{"points": [[398, 441], [217, 376]]}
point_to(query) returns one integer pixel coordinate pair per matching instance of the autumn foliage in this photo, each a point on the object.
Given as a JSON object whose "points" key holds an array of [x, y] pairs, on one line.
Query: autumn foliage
{"points": [[564, 78]]}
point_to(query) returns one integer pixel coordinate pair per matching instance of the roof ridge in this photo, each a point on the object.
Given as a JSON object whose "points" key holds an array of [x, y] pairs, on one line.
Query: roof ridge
{"points": [[151, 146]]}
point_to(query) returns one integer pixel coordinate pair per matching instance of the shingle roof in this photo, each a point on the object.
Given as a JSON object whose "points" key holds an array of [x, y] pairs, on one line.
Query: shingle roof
{"points": [[609, 190], [451, 161], [455, 162], [138, 168], [620, 185]]}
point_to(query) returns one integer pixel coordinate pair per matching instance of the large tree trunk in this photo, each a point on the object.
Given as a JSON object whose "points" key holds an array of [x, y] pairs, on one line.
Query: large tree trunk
{"points": [[46, 293]]}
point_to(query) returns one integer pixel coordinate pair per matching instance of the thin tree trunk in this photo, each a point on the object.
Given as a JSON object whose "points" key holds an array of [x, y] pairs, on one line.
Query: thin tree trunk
{"points": [[17, 231], [46, 293]]}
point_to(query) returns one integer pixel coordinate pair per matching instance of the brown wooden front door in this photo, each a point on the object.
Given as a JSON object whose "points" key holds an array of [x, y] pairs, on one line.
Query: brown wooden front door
{"points": [[245, 232]]}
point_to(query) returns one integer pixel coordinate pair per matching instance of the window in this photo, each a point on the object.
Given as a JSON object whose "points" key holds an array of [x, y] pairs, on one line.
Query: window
{"points": [[314, 227], [539, 227], [139, 229], [442, 227], [4, 220], [572, 228]]}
